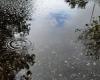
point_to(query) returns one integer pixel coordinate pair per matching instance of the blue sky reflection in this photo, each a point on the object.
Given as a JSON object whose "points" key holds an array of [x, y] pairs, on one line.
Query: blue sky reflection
{"points": [[60, 17]]}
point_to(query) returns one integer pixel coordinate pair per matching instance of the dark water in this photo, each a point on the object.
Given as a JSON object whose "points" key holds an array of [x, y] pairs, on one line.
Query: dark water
{"points": [[52, 37]]}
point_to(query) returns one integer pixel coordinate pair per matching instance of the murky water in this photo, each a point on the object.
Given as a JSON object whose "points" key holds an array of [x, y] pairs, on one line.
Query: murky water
{"points": [[52, 37]]}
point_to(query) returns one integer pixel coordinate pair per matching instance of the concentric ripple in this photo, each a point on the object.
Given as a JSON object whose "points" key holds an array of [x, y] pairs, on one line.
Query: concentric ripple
{"points": [[18, 44]]}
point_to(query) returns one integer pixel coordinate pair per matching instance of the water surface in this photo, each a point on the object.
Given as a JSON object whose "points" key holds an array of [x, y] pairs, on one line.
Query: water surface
{"points": [[59, 55], [50, 30]]}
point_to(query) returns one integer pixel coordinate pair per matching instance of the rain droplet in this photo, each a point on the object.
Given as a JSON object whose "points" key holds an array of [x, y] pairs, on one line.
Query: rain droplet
{"points": [[88, 64], [66, 61], [94, 63], [60, 75]]}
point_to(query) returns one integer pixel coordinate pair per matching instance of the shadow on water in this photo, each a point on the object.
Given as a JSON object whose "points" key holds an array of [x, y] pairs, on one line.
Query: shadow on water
{"points": [[14, 46]]}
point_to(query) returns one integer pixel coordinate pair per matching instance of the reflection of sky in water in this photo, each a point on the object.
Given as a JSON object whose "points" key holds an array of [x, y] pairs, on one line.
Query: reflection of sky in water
{"points": [[59, 58], [60, 17], [43, 8]]}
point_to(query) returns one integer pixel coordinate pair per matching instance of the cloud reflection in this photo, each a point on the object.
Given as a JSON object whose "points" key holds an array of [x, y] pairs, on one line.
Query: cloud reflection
{"points": [[60, 17]]}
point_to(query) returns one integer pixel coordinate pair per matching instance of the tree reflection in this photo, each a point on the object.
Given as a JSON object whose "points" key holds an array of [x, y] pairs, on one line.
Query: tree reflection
{"points": [[14, 54], [13, 22], [79, 3], [90, 37]]}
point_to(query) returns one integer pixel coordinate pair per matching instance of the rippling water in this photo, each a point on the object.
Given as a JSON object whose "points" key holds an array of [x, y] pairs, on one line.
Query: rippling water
{"points": [[50, 26], [59, 55], [16, 50]]}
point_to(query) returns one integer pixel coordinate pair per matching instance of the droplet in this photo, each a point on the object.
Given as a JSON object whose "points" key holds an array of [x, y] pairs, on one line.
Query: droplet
{"points": [[88, 64], [60, 75], [66, 61], [94, 63]]}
